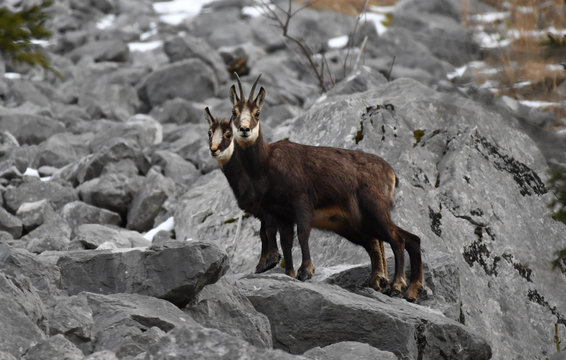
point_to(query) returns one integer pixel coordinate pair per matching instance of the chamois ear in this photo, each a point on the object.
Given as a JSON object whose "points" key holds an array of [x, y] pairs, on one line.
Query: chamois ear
{"points": [[260, 98], [233, 96], [208, 116]]}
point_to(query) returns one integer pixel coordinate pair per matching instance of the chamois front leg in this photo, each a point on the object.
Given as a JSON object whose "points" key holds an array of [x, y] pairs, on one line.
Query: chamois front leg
{"points": [[286, 236], [270, 256], [304, 215], [413, 245]]}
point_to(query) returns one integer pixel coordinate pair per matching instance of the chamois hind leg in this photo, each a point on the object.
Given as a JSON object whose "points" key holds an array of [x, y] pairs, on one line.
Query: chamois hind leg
{"points": [[303, 214], [413, 245], [269, 252], [379, 223], [286, 236], [378, 278]]}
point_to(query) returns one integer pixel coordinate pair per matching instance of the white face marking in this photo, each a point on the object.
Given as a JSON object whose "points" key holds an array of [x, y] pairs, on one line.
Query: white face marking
{"points": [[245, 121], [216, 138]]}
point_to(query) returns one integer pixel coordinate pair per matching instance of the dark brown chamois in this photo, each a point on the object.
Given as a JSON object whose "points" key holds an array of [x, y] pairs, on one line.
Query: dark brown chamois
{"points": [[221, 146], [345, 191]]}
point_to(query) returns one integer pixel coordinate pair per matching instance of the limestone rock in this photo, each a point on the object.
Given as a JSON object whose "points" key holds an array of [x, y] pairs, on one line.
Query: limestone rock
{"points": [[146, 272]]}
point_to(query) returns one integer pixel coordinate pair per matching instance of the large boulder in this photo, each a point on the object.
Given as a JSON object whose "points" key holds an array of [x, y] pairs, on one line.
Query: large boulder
{"points": [[55, 347], [103, 50], [223, 306], [92, 236], [64, 148], [175, 273], [113, 192], [471, 185], [349, 349], [10, 223], [27, 127], [35, 190], [210, 344], [22, 314], [53, 234], [77, 213], [328, 314], [148, 201], [189, 79]]}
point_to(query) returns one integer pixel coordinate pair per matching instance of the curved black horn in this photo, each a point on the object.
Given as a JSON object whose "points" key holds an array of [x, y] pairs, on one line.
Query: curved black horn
{"points": [[250, 98], [239, 86]]}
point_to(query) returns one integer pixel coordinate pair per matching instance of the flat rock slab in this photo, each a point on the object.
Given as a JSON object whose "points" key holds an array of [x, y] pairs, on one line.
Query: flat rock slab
{"points": [[36, 190], [175, 273], [305, 315]]}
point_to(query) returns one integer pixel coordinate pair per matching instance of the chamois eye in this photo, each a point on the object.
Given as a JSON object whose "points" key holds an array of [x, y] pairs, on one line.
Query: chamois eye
{"points": [[228, 136], [234, 113], [209, 133], [257, 114]]}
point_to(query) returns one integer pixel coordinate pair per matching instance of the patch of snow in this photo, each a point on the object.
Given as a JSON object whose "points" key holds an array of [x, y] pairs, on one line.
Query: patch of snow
{"points": [[555, 67], [378, 20], [175, 11], [541, 104], [381, 9], [12, 75], [490, 17], [152, 31], [491, 41], [521, 84], [321, 98], [45, 178], [42, 43], [145, 46], [338, 42], [255, 10], [458, 72], [167, 225], [106, 22], [31, 172]]}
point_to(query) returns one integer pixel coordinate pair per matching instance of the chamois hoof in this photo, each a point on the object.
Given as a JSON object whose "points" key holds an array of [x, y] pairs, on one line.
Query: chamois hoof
{"points": [[305, 274], [413, 292], [379, 284], [268, 262], [291, 273]]}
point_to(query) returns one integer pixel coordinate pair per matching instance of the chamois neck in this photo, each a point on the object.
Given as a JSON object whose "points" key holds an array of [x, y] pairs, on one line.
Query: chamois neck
{"points": [[233, 172], [254, 156]]}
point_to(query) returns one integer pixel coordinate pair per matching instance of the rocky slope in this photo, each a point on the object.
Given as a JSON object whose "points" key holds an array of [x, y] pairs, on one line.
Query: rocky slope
{"points": [[120, 238]]}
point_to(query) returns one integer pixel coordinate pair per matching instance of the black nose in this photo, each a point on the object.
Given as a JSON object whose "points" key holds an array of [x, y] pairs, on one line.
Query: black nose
{"points": [[244, 129]]}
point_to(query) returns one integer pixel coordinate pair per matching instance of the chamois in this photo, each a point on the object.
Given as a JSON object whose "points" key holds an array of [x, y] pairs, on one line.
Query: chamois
{"points": [[345, 191], [221, 146]]}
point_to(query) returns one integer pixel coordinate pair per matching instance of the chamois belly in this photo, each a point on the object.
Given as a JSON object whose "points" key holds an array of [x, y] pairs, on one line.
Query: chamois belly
{"points": [[332, 218]]}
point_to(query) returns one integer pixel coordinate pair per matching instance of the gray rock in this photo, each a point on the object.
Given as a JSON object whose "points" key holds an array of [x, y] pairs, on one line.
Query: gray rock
{"points": [[141, 129], [144, 272], [187, 47], [10, 224], [186, 343], [43, 274], [111, 191], [330, 314], [102, 355], [203, 25], [53, 234], [445, 37], [35, 190], [175, 167], [449, 8], [106, 90], [33, 214], [129, 324], [230, 34], [91, 236], [147, 202], [178, 111], [114, 151], [104, 50], [348, 350], [55, 347], [22, 315], [487, 170], [64, 148], [188, 142], [27, 127], [72, 317], [224, 307], [189, 79], [7, 356], [362, 80], [77, 213]]}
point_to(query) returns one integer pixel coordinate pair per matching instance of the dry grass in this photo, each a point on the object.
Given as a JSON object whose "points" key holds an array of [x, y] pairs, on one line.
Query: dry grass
{"points": [[529, 68], [350, 7]]}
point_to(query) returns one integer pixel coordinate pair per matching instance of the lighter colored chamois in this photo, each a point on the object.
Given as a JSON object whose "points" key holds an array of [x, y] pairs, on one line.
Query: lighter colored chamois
{"points": [[348, 192], [221, 146]]}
